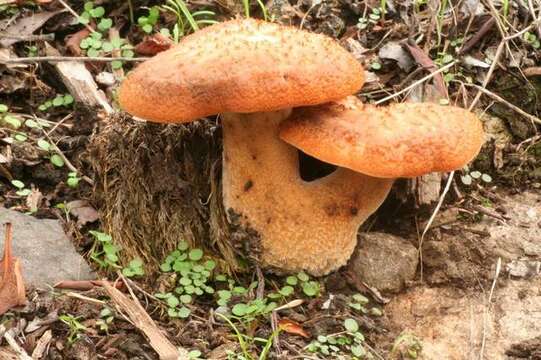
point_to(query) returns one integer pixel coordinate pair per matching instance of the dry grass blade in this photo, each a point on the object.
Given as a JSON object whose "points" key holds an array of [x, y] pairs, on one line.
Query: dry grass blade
{"points": [[137, 314]]}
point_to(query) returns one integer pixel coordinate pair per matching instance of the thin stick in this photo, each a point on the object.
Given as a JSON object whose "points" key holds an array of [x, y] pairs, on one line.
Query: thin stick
{"points": [[498, 98], [84, 298], [487, 309], [418, 82], [66, 160], [44, 37], [67, 7], [37, 59], [432, 217]]}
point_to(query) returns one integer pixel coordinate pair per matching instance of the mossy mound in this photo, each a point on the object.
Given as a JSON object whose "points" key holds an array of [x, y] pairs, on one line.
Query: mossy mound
{"points": [[159, 184]]}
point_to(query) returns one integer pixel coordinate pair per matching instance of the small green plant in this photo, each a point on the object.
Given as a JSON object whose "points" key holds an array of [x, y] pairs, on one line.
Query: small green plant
{"points": [[406, 346], [59, 101], [75, 327], [346, 343], [532, 40], [194, 355], [134, 268], [194, 274], [358, 303], [31, 51], [367, 21], [147, 23], [96, 44], [103, 251], [375, 65], [470, 177], [96, 14], [22, 190], [246, 5], [300, 281], [73, 179], [187, 21], [106, 318]]}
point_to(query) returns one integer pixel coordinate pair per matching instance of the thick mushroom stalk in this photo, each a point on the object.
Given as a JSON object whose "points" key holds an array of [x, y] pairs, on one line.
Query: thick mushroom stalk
{"points": [[309, 226]]}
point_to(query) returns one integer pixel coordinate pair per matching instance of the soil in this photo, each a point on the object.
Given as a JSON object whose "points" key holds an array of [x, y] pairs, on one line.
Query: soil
{"points": [[477, 290]]}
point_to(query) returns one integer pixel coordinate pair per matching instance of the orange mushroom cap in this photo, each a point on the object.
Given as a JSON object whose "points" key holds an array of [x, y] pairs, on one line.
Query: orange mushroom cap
{"points": [[240, 66], [399, 140]]}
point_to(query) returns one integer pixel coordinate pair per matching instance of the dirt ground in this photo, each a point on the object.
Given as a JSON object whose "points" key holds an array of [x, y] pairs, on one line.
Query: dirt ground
{"points": [[476, 293]]}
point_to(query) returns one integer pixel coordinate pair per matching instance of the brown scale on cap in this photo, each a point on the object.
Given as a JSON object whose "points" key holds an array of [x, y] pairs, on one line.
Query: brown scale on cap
{"points": [[240, 66], [400, 140]]}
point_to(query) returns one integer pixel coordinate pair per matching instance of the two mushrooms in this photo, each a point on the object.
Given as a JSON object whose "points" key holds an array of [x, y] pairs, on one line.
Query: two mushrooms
{"points": [[279, 89]]}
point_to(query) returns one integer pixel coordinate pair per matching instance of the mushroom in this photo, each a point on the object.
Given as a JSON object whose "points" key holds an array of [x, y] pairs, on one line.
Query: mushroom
{"points": [[12, 290], [253, 73], [383, 143]]}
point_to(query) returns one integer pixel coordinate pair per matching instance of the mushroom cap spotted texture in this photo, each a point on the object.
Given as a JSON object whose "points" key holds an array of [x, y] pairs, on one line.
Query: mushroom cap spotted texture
{"points": [[240, 66], [399, 140]]}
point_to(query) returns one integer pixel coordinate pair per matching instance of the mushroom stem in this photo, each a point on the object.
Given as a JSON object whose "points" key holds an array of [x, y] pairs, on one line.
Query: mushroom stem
{"points": [[310, 226]]}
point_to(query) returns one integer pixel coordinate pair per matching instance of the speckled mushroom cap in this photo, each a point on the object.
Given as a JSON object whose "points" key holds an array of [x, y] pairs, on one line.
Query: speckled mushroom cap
{"points": [[240, 66], [400, 140]]}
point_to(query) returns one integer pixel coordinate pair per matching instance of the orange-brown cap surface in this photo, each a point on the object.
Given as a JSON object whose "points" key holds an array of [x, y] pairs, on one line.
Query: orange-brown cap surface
{"points": [[240, 66], [400, 140]]}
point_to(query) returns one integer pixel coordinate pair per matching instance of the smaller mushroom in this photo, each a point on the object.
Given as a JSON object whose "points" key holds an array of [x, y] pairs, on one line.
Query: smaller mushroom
{"points": [[399, 140], [12, 291]]}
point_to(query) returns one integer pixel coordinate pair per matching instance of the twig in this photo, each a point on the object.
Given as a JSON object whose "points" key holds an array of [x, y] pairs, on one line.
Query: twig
{"points": [[31, 37], [432, 217], [37, 59], [487, 309], [84, 298], [496, 59], [478, 36], [42, 344], [498, 98], [67, 7], [66, 160], [141, 319], [418, 82], [13, 345]]}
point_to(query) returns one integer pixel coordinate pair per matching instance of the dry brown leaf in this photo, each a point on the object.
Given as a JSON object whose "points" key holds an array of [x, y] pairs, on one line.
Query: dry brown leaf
{"points": [[151, 45], [73, 41], [26, 26], [83, 211], [426, 62], [34, 199], [12, 291], [292, 327]]}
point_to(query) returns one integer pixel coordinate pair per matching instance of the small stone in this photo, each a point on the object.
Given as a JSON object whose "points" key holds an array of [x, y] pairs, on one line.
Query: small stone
{"points": [[384, 261], [47, 255]]}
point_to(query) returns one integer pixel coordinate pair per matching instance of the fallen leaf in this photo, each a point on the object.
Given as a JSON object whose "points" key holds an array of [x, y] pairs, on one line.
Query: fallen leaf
{"points": [[426, 62], [73, 41], [151, 45], [26, 26], [292, 327], [83, 211], [394, 51], [12, 291], [34, 199]]}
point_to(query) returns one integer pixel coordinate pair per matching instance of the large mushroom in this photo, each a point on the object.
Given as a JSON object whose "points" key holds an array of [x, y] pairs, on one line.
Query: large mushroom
{"points": [[253, 73]]}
